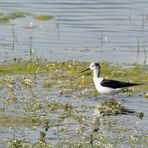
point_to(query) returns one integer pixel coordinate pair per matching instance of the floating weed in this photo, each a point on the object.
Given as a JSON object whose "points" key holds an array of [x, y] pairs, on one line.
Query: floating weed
{"points": [[134, 140], [66, 111], [110, 107], [140, 115], [22, 120], [42, 136], [18, 14], [47, 125], [10, 83], [27, 81], [16, 143], [43, 17], [5, 18], [37, 106], [54, 106], [12, 99], [86, 140], [146, 95], [120, 130], [70, 112], [47, 84]]}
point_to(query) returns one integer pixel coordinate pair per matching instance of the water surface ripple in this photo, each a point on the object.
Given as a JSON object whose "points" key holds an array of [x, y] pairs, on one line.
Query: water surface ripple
{"points": [[106, 28]]}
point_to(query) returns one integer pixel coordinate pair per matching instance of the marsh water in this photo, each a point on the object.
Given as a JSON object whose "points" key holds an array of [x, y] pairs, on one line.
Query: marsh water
{"points": [[83, 30]]}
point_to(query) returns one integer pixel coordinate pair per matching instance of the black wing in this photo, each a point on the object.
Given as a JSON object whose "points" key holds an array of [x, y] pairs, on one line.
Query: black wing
{"points": [[116, 84]]}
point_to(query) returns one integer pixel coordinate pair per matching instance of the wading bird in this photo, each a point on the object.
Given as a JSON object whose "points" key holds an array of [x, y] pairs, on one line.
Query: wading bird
{"points": [[106, 86]]}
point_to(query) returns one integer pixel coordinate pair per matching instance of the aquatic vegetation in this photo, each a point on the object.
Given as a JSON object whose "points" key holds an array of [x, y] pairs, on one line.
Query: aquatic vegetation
{"points": [[49, 99], [47, 84], [140, 115], [137, 140], [146, 95], [61, 72], [18, 14], [43, 17], [42, 136], [16, 143], [110, 107], [19, 120], [27, 81], [5, 18]]}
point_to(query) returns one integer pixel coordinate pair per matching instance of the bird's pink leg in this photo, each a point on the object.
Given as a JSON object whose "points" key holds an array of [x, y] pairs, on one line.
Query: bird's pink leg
{"points": [[113, 98]]}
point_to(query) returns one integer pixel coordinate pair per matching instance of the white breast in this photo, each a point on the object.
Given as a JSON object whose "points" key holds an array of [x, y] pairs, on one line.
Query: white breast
{"points": [[104, 90]]}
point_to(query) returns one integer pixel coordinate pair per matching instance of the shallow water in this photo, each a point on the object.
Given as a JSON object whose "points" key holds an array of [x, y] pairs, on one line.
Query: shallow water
{"points": [[87, 30], [109, 31], [24, 117]]}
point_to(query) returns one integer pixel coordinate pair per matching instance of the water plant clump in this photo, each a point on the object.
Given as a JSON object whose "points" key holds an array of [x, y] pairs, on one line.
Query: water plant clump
{"points": [[7, 17], [43, 17], [110, 107], [18, 14], [146, 95]]}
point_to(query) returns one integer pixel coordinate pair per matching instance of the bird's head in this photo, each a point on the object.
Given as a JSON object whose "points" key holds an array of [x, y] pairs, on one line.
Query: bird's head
{"points": [[93, 66]]}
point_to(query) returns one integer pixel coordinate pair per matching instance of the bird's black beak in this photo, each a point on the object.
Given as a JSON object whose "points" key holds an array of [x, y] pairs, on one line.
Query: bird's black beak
{"points": [[84, 70]]}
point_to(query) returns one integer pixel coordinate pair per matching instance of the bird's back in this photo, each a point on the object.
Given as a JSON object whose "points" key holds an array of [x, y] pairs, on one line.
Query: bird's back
{"points": [[116, 84]]}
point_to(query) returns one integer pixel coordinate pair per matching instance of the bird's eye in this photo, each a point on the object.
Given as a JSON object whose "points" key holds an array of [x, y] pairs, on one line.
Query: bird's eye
{"points": [[96, 64]]}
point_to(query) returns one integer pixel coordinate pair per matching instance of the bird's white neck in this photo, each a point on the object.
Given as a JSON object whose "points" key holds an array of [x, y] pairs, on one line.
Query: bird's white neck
{"points": [[96, 73]]}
